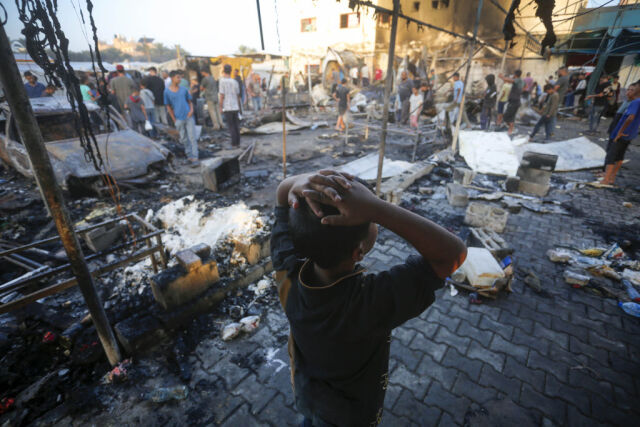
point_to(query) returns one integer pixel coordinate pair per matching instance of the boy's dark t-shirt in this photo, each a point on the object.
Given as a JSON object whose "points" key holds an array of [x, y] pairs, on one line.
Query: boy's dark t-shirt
{"points": [[341, 333]]}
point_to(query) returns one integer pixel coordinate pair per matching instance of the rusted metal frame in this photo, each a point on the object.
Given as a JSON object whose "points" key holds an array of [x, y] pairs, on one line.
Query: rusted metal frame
{"points": [[150, 227], [53, 239], [29, 130], [23, 262], [387, 91], [59, 287], [415, 147], [55, 270]]}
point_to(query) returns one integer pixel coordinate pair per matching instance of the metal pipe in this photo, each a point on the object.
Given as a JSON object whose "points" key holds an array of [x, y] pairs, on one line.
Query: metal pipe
{"points": [[284, 128], [387, 91], [454, 143], [260, 23], [30, 132]]}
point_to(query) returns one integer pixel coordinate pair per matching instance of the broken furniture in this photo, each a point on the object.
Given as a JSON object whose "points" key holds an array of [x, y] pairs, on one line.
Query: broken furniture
{"points": [[535, 173], [146, 245]]}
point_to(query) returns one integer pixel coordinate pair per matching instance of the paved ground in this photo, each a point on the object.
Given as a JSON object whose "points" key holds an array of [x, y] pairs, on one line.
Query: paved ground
{"points": [[567, 358]]}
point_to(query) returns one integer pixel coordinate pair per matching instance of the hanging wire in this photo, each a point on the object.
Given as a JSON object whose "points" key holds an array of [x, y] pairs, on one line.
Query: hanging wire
{"points": [[4, 21], [275, 6], [43, 34]]}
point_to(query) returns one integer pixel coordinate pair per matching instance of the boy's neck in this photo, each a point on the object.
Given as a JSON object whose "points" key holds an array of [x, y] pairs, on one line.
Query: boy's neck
{"points": [[326, 276]]}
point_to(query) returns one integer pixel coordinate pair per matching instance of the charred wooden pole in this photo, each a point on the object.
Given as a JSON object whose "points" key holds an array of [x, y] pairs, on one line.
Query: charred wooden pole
{"points": [[284, 128], [472, 46], [387, 91], [41, 164], [504, 55]]}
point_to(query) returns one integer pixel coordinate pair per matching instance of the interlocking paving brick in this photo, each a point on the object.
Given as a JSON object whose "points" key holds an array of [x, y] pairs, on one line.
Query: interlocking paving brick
{"points": [[476, 351], [445, 336], [518, 352], [506, 331], [453, 359], [416, 410], [597, 340], [554, 409], [405, 335], [479, 394], [515, 369], [258, 394], [428, 329], [559, 338], [584, 379], [509, 386], [241, 417], [443, 375], [522, 338], [454, 405], [467, 330], [579, 347], [558, 389], [433, 349], [508, 318], [549, 365], [570, 328], [416, 384]]}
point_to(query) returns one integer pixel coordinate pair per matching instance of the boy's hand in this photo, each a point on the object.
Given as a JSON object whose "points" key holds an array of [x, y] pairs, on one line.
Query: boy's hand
{"points": [[356, 205], [325, 185]]}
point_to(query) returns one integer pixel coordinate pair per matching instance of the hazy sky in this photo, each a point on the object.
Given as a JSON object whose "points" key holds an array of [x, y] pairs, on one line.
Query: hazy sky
{"points": [[203, 27]]}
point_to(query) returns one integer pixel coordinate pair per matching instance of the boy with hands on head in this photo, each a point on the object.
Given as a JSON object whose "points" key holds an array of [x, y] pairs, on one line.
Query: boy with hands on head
{"points": [[341, 318]]}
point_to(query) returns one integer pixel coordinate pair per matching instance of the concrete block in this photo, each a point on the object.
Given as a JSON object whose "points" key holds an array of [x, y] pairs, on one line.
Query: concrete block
{"points": [[103, 237], [202, 250], [139, 332], [540, 161], [537, 176], [176, 285], [490, 240], [457, 195], [220, 173], [188, 260], [486, 216], [253, 248], [463, 176], [533, 188], [511, 184]]}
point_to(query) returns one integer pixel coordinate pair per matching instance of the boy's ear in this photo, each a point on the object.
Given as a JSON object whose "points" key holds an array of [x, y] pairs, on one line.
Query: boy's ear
{"points": [[358, 253]]}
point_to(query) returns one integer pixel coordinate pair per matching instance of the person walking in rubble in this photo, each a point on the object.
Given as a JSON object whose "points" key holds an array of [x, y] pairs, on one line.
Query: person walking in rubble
{"points": [[34, 88], [514, 98], [598, 104], [488, 102], [625, 131], [148, 100], [209, 86], [547, 113], [156, 85], [404, 93], [502, 102], [137, 111], [458, 91], [341, 95], [122, 86], [415, 104], [230, 102], [180, 109], [255, 92]]}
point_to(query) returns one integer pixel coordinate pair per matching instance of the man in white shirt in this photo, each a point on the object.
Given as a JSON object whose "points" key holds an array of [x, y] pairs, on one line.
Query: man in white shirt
{"points": [[364, 71], [353, 73], [230, 102]]}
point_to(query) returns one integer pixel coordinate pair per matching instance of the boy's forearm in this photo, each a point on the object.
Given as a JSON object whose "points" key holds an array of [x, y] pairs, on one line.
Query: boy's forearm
{"points": [[443, 250]]}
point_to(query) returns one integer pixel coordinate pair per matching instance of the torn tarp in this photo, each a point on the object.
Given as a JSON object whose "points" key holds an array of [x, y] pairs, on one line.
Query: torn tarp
{"points": [[367, 167], [495, 153]]}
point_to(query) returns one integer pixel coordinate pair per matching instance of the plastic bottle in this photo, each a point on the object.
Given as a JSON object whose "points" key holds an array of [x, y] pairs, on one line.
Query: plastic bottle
{"points": [[632, 308], [631, 290]]}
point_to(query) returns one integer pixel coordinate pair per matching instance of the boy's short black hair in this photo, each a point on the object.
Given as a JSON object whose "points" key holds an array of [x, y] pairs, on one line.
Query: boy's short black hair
{"points": [[174, 73], [547, 87], [518, 73], [326, 245]]}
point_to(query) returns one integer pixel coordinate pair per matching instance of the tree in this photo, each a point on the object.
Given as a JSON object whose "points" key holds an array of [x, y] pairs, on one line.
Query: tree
{"points": [[243, 50]]}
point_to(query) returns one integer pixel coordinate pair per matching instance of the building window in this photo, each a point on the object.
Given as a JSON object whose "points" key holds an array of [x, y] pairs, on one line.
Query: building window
{"points": [[349, 20], [416, 6], [384, 19], [439, 4], [308, 25]]}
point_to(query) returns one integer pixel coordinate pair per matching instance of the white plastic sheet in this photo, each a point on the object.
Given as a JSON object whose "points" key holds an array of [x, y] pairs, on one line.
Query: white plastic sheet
{"points": [[367, 167], [495, 153]]}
